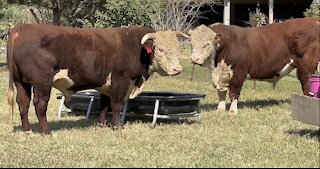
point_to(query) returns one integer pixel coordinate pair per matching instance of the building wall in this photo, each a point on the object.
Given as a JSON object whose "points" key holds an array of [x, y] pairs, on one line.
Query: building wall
{"points": [[240, 11]]}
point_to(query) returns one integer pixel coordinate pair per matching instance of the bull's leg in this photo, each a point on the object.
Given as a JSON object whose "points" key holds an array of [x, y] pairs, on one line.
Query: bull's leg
{"points": [[116, 108], [303, 76], [105, 105], [234, 92], [306, 66], [222, 100], [23, 100], [119, 90], [40, 101]]}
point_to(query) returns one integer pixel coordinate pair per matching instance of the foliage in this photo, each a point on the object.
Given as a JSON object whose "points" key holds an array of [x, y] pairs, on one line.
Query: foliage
{"points": [[159, 14], [314, 10], [63, 12], [116, 13], [177, 14], [11, 15], [257, 19]]}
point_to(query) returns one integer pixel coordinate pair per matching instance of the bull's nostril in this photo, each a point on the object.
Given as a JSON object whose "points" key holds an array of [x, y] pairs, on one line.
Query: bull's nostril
{"points": [[194, 60], [177, 70]]}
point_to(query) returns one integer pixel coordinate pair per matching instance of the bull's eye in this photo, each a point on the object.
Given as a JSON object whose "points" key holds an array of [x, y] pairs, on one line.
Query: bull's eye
{"points": [[206, 45], [160, 50]]}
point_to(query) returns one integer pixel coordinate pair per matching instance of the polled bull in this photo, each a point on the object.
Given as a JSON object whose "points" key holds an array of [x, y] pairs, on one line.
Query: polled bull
{"points": [[268, 53]]}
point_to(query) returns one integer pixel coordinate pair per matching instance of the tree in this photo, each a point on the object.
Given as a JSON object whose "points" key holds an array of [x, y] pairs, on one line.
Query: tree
{"points": [[61, 12], [178, 14], [314, 10], [11, 15], [116, 13]]}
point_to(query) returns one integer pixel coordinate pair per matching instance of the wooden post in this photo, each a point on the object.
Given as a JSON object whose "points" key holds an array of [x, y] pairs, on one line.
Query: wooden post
{"points": [[271, 11], [192, 72], [226, 12]]}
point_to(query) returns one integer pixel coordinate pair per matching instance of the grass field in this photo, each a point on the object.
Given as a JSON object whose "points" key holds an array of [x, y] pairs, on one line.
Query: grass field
{"points": [[263, 134]]}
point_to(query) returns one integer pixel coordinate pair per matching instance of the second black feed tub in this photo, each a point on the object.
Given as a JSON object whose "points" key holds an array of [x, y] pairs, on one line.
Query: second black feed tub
{"points": [[159, 104]]}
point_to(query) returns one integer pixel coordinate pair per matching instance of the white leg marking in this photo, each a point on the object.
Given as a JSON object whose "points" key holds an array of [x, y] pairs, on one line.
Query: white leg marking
{"points": [[234, 107], [221, 106]]}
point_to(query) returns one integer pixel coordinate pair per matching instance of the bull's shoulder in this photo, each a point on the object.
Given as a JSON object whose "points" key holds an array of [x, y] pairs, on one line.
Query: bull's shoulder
{"points": [[141, 29]]}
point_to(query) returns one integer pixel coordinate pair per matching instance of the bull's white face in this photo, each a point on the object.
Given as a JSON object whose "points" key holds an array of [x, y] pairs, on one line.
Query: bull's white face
{"points": [[166, 54], [205, 43]]}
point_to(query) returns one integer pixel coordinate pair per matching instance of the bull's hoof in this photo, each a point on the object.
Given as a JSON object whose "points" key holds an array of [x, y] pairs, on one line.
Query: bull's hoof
{"points": [[234, 107], [233, 112], [28, 132], [118, 127], [221, 107], [103, 124], [46, 133]]}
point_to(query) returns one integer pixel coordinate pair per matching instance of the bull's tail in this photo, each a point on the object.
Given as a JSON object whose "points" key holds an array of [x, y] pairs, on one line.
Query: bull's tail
{"points": [[13, 34]]}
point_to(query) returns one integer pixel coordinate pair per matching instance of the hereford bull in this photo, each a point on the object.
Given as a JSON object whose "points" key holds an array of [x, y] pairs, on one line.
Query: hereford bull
{"points": [[114, 61], [264, 53]]}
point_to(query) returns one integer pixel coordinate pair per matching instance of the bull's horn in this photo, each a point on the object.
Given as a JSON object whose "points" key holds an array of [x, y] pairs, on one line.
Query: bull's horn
{"points": [[181, 34], [147, 37]]}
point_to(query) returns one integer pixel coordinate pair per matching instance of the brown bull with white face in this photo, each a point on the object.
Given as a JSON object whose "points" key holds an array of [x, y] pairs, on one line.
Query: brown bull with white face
{"points": [[265, 53], [114, 61], [166, 51], [205, 43]]}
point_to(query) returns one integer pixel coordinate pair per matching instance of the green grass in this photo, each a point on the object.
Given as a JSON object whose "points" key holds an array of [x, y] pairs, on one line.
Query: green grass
{"points": [[263, 134]]}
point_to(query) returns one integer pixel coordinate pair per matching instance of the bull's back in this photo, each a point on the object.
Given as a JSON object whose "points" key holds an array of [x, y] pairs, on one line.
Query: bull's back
{"points": [[268, 45], [88, 54]]}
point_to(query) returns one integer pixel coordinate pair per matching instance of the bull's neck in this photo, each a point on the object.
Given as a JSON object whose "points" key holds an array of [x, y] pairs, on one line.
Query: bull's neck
{"points": [[154, 67]]}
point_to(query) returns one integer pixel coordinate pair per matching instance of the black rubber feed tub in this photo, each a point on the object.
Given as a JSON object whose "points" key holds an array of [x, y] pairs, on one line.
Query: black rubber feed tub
{"points": [[158, 104], [80, 101], [170, 102]]}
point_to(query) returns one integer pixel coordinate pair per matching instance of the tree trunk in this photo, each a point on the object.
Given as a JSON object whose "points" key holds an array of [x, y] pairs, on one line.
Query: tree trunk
{"points": [[56, 15]]}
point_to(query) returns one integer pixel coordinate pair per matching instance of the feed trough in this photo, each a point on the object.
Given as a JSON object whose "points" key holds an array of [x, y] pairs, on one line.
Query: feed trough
{"points": [[165, 105], [158, 104], [88, 101]]}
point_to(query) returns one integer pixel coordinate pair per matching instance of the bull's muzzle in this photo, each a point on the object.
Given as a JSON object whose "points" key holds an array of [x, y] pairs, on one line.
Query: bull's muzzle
{"points": [[195, 60], [176, 71]]}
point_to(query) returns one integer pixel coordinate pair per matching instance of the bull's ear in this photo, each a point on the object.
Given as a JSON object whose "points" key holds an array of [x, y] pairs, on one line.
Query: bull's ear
{"points": [[218, 37], [148, 46]]}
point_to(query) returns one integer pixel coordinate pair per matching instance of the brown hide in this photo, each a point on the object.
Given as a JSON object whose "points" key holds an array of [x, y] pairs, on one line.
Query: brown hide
{"points": [[37, 52], [262, 52]]}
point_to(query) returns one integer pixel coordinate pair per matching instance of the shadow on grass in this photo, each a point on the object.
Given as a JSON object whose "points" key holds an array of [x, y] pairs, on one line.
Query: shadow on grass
{"points": [[262, 103], [61, 125], [254, 104], [93, 119], [314, 134], [147, 119]]}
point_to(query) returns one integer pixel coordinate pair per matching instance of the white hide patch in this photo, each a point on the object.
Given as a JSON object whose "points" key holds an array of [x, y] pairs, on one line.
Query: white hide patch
{"points": [[105, 89], [62, 82], [221, 76], [134, 90]]}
